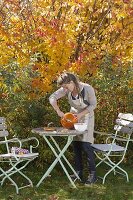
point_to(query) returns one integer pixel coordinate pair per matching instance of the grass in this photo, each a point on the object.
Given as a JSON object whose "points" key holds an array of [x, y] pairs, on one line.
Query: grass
{"points": [[57, 187]]}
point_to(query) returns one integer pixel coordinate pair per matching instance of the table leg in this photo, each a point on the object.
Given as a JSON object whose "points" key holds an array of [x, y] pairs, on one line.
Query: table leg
{"points": [[69, 141], [57, 146]]}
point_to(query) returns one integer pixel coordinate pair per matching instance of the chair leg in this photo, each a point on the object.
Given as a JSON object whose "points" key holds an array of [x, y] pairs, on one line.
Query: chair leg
{"points": [[22, 174], [14, 170], [107, 174], [126, 174], [114, 172], [114, 166], [12, 181]]}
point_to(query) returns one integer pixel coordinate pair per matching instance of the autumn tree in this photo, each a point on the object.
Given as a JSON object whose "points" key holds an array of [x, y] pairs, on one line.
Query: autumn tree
{"points": [[51, 36]]}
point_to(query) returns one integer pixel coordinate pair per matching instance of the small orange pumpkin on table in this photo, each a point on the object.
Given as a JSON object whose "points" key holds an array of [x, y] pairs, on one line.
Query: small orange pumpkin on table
{"points": [[68, 120]]}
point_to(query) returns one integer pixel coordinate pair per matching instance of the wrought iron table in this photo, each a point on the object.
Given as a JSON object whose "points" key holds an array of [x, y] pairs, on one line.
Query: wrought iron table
{"points": [[50, 138]]}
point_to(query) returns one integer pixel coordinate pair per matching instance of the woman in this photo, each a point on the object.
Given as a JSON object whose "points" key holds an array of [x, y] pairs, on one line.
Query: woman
{"points": [[82, 99]]}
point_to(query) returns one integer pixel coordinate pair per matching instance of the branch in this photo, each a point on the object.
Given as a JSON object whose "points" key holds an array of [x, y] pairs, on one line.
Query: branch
{"points": [[91, 35]]}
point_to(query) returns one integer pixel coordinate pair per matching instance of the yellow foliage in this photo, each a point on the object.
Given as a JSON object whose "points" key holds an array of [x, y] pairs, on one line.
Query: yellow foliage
{"points": [[121, 15], [23, 61], [14, 19], [130, 84], [57, 35]]}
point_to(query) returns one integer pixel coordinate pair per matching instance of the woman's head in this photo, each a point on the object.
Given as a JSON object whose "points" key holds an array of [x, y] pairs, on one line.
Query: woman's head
{"points": [[68, 80]]}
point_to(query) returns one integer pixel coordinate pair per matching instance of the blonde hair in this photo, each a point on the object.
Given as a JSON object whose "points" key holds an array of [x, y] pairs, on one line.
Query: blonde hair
{"points": [[66, 78]]}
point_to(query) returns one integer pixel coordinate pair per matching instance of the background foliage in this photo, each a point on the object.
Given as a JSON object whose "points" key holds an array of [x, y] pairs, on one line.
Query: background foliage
{"points": [[39, 39], [113, 95]]}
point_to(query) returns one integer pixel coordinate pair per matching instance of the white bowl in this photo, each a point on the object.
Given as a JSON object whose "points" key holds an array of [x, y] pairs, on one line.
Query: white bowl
{"points": [[80, 126]]}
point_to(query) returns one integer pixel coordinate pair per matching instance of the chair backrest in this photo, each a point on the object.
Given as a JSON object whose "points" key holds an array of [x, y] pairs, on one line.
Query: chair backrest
{"points": [[124, 128], [3, 131], [124, 123], [3, 127]]}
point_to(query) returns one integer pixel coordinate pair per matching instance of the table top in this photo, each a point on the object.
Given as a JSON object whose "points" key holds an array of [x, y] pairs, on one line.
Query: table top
{"points": [[59, 131]]}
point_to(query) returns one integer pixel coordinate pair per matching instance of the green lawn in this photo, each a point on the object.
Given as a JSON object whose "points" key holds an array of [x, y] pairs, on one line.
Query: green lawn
{"points": [[115, 188]]}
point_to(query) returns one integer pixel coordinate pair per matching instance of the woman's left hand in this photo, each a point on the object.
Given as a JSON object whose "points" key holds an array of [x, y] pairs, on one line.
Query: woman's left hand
{"points": [[79, 116], [82, 114]]}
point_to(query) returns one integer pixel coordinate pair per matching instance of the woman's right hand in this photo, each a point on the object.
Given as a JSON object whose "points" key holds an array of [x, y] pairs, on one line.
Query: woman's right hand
{"points": [[60, 113]]}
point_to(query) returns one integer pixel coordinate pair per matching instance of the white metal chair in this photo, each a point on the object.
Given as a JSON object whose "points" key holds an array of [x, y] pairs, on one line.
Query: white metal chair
{"points": [[116, 146], [12, 163]]}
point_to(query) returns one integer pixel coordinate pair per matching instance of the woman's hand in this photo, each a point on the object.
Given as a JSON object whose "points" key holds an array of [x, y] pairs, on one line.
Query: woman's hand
{"points": [[78, 116], [60, 113], [82, 114]]}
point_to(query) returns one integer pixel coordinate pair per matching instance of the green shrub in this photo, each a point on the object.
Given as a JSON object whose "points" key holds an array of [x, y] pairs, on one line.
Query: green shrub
{"points": [[113, 96]]}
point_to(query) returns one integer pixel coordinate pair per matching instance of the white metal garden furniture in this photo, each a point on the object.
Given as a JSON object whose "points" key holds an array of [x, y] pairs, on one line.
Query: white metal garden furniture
{"points": [[12, 163], [114, 150], [51, 139]]}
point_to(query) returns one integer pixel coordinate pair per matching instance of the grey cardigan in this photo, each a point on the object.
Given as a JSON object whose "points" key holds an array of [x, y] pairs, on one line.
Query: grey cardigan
{"points": [[89, 96], [89, 102]]}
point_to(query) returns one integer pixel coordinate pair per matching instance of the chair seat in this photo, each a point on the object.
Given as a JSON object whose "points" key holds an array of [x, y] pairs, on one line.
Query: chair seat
{"points": [[11, 155], [106, 147]]}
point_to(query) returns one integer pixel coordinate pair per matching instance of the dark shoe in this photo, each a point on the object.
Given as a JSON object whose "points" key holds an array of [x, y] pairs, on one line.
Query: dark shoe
{"points": [[91, 179], [74, 177]]}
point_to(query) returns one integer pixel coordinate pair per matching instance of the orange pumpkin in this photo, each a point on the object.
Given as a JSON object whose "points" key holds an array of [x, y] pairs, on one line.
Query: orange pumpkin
{"points": [[68, 120]]}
